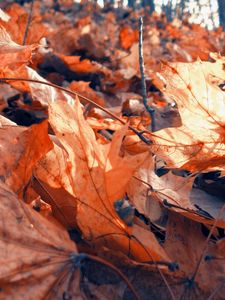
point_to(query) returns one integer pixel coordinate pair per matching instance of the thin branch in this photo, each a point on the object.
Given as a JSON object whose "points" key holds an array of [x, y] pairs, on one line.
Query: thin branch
{"points": [[149, 109], [138, 133], [28, 23]]}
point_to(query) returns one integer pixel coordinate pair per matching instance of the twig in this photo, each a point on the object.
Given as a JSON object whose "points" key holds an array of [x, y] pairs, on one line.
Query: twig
{"points": [[138, 133], [28, 23], [149, 109]]}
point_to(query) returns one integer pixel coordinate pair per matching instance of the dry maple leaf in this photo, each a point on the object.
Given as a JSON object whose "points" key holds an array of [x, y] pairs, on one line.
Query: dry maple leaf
{"points": [[146, 191], [12, 55], [199, 143], [128, 37], [20, 150], [99, 177], [37, 258], [84, 89], [205, 278], [53, 181], [17, 22], [146, 188]]}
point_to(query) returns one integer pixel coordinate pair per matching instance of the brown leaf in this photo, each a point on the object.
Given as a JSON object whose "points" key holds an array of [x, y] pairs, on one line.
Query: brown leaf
{"points": [[21, 148], [36, 256], [94, 168], [188, 235], [13, 55], [54, 182], [148, 192], [84, 89], [147, 189]]}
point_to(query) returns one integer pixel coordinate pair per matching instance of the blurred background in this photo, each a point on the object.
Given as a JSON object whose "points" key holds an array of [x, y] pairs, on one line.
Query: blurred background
{"points": [[208, 13]]}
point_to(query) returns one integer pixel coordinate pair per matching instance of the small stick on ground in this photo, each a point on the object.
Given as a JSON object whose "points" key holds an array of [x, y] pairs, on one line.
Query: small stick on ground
{"points": [[149, 109], [28, 23]]}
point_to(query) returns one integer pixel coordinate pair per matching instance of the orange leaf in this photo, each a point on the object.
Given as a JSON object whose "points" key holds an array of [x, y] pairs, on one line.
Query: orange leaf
{"points": [[150, 190], [13, 55], [199, 143], [16, 25], [54, 183], [79, 66], [93, 169], [26, 146], [128, 37], [84, 89]]}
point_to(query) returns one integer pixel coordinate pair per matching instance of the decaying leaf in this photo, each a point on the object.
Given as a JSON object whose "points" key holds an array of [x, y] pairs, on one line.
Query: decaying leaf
{"points": [[206, 276], [93, 175], [36, 256]]}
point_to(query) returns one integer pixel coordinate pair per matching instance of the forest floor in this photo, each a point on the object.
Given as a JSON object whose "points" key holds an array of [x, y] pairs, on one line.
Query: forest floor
{"points": [[112, 154]]}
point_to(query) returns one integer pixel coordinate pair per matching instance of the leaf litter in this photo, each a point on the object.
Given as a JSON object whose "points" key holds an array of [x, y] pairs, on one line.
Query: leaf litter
{"points": [[79, 164]]}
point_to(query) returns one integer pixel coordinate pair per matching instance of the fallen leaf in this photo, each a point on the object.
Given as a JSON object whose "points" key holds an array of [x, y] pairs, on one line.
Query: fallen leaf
{"points": [[94, 168], [94, 171], [128, 37], [12, 55], [34, 254], [54, 182], [84, 89], [16, 25], [191, 247], [26, 146], [199, 143], [148, 192]]}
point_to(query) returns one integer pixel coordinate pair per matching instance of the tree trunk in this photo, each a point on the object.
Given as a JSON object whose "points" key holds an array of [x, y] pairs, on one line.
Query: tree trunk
{"points": [[131, 3], [149, 3], [221, 11], [167, 9]]}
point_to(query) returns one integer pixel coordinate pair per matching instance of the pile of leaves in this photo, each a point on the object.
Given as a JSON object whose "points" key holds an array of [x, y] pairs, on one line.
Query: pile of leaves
{"points": [[94, 205]]}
